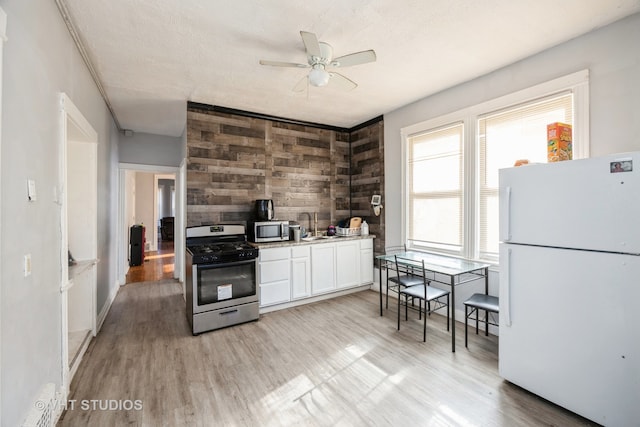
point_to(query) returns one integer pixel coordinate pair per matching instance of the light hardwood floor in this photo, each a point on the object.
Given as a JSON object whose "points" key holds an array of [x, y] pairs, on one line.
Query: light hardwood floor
{"points": [[331, 363], [157, 265]]}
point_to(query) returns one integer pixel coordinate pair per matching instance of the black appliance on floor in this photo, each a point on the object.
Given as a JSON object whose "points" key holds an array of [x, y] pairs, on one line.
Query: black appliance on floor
{"points": [[136, 242], [221, 282]]}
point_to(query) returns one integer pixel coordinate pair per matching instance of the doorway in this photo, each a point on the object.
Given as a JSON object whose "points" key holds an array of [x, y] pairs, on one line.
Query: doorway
{"points": [[159, 257], [150, 196], [77, 197]]}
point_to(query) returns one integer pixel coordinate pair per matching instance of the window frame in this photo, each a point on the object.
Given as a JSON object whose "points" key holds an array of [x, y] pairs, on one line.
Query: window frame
{"points": [[457, 194], [577, 83]]}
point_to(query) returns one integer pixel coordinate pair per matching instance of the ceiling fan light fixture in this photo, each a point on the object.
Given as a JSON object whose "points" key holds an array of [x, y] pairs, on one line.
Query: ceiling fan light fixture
{"points": [[318, 76]]}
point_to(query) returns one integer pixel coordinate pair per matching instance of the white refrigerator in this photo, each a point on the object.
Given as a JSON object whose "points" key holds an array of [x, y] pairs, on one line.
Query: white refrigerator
{"points": [[570, 284]]}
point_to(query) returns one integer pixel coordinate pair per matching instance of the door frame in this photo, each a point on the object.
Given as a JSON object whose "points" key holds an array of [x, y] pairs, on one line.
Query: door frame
{"points": [[156, 214], [74, 128], [3, 39], [123, 237]]}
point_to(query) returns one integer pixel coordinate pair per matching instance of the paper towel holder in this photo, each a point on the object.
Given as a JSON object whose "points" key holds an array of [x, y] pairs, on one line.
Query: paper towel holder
{"points": [[376, 203]]}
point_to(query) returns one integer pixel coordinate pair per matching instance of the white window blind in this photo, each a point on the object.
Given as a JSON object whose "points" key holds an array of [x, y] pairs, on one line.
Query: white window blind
{"points": [[518, 132], [451, 163], [435, 188]]}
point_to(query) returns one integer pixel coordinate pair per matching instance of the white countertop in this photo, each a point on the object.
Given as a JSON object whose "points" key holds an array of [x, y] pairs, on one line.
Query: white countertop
{"points": [[307, 241]]}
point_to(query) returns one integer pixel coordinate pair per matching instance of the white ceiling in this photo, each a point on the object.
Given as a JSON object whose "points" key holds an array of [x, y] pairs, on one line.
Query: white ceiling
{"points": [[151, 56]]}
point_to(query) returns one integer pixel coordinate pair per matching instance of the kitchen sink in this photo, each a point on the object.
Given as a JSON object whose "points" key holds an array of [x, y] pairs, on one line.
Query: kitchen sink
{"points": [[313, 238]]}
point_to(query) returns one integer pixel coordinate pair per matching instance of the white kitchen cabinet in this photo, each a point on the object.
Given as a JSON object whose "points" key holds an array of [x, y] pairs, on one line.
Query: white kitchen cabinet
{"points": [[300, 272], [348, 264], [366, 261], [274, 276], [289, 274], [323, 268]]}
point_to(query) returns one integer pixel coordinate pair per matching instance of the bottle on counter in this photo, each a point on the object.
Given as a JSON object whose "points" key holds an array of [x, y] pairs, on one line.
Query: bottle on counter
{"points": [[364, 228]]}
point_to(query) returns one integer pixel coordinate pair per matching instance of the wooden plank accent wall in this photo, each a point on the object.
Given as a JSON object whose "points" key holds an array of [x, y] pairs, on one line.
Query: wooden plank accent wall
{"points": [[232, 160], [367, 178]]}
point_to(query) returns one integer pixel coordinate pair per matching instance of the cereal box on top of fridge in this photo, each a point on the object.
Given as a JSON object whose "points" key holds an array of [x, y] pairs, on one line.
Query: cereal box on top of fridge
{"points": [[559, 142]]}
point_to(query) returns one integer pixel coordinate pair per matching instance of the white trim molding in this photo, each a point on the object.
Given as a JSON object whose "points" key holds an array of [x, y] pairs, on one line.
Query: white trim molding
{"points": [[3, 39]]}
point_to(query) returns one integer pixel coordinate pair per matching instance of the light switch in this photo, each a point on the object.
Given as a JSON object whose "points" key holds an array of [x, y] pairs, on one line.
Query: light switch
{"points": [[27, 265], [31, 190]]}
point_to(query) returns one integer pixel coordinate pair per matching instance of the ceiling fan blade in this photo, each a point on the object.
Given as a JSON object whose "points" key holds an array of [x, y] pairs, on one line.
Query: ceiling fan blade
{"points": [[283, 64], [354, 59], [341, 82], [311, 44], [301, 85]]}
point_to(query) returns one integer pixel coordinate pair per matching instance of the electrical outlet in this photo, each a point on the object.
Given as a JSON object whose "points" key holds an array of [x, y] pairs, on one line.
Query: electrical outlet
{"points": [[27, 265]]}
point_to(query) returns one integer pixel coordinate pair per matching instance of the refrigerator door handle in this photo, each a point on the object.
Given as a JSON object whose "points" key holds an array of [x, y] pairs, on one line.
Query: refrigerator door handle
{"points": [[506, 308]]}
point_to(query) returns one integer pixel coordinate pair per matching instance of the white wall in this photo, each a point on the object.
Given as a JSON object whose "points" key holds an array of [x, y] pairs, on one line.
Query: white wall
{"points": [[150, 149], [145, 205], [613, 58], [129, 198], [40, 62]]}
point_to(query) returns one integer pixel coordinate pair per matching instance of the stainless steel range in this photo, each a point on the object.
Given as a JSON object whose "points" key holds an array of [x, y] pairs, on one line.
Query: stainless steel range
{"points": [[221, 277]]}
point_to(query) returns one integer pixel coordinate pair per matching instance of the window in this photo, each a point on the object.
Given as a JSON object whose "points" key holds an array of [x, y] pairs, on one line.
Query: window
{"points": [[435, 188], [452, 163], [504, 137]]}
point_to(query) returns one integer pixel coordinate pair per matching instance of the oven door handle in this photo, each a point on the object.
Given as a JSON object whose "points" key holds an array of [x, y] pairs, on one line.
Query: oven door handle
{"points": [[227, 264]]}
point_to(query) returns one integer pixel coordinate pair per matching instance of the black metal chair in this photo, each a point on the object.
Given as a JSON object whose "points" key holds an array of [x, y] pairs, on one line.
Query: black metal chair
{"points": [[423, 292], [407, 276], [487, 303]]}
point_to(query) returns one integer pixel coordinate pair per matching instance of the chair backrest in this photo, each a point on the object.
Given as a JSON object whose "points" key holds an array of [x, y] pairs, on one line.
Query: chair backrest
{"points": [[392, 250], [412, 267]]}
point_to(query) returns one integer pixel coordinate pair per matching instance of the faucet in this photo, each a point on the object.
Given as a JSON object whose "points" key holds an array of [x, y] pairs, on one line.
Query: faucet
{"points": [[309, 224], [315, 224]]}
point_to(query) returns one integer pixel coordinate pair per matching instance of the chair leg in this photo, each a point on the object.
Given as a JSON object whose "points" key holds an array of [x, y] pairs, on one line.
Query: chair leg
{"points": [[398, 310], [406, 307], [466, 332], [448, 312], [486, 323], [387, 297], [387, 303], [477, 319], [424, 328]]}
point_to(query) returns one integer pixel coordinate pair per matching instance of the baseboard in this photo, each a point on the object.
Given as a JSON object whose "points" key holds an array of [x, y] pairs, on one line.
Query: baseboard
{"points": [[107, 306]]}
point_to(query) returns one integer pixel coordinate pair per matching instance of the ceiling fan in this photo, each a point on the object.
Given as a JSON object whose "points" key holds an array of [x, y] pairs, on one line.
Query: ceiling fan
{"points": [[319, 57]]}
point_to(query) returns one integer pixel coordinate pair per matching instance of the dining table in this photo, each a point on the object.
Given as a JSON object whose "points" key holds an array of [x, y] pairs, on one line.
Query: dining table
{"points": [[445, 270]]}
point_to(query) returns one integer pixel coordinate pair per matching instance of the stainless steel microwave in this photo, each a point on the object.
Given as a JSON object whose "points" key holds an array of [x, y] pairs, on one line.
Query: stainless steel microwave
{"points": [[268, 231]]}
